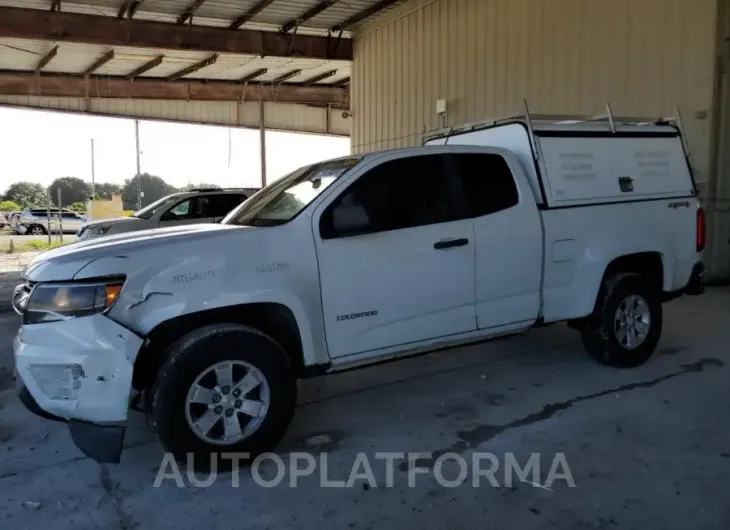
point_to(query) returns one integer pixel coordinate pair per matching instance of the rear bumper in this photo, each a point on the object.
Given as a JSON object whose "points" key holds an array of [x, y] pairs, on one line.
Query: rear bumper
{"points": [[695, 285], [102, 443]]}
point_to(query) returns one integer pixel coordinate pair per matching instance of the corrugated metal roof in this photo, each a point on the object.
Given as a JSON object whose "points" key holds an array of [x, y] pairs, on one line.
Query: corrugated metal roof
{"points": [[73, 58], [219, 12]]}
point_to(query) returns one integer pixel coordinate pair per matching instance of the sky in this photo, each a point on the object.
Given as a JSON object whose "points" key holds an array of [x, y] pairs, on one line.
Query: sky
{"points": [[40, 146]]}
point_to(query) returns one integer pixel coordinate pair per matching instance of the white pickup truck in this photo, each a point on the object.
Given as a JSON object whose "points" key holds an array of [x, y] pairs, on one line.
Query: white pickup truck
{"points": [[354, 261]]}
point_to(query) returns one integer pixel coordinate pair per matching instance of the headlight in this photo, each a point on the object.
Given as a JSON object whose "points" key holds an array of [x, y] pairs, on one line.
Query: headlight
{"points": [[97, 231], [50, 302]]}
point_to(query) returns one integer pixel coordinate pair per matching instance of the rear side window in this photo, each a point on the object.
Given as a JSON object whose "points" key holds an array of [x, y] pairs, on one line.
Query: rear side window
{"points": [[222, 204], [487, 181]]}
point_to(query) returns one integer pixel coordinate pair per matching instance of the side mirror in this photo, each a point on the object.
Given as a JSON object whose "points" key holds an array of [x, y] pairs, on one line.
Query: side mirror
{"points": [[348, 220]]}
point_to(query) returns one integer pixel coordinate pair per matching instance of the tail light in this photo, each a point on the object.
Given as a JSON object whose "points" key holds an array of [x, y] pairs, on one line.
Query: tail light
{"points": [[701, 229]]}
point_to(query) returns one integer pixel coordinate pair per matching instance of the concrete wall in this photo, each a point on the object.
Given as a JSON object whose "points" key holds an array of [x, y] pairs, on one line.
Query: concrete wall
{"points": [[645, 57]]}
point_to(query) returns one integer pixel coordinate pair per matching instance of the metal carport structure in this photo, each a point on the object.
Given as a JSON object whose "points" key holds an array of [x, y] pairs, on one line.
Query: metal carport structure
{"points": [[268, 64]]}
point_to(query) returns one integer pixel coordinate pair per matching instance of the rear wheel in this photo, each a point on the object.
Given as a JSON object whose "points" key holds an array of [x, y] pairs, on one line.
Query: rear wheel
{"points": [[625, 328], [225, 388]]}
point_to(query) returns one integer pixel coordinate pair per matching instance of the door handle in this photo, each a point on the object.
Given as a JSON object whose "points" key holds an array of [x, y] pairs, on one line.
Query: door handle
{"points": [[450, 243]]}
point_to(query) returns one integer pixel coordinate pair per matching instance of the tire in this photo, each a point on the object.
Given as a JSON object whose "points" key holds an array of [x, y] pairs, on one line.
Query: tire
{"points": [[171, 414], [37, 230], [602, 337]]}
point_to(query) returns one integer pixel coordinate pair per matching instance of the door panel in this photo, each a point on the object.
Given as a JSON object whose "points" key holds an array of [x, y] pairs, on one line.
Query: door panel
{"points": [[396, 263], [391, 288], [508, 239]]}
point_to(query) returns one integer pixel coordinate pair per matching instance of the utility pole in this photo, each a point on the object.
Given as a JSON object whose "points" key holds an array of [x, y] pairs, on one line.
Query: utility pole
{"points": [[90, 213], [93, 172], [60, 217], [262, 132], [139, 171]]}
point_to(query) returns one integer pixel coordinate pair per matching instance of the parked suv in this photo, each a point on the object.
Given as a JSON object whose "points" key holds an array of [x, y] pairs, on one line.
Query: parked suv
{"points": [[35, 221], [190, 207]]}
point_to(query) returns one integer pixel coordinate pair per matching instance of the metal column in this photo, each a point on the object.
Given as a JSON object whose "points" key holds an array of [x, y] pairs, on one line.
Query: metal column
{"points": [[262, 130]]}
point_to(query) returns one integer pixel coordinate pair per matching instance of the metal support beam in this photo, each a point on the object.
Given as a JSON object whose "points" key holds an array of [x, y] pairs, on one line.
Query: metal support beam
{"points": [[128, 8], [92, 29], [193, 68], [341, 83], [123, 9], [101, 61], [146, 67], [253, 75], [252, 12], [287, 76], [61, 85], [190, 11], [262, 140], [133, 7], [310, 13], [320, 77], [46, 59], [362, 15]]}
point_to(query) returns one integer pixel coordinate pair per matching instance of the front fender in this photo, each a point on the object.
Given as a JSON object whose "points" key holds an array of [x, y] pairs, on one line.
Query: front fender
{"points": [[177, 286]]}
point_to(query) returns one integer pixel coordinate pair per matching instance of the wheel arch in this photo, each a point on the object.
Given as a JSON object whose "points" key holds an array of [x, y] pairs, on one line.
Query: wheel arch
{"points": [[272, 318], [647, 263]]}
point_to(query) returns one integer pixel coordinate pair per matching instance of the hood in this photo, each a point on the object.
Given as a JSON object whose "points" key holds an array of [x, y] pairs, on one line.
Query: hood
{"points": [[110, 221], [63, 263]]}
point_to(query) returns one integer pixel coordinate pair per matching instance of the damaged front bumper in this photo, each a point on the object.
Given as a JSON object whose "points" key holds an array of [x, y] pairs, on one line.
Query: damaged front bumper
{"points": [[79, 371], [103, 443]]}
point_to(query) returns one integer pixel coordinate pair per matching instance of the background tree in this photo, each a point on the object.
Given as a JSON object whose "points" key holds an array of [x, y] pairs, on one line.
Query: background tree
{"points": [[27, 194], [105, 190], [72, 190], [9, 206], [152, 186], [78, 207]]}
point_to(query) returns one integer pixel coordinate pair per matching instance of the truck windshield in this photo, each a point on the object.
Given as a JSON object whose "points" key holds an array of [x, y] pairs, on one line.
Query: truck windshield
{"points": [[281, 201], [150, 210]]}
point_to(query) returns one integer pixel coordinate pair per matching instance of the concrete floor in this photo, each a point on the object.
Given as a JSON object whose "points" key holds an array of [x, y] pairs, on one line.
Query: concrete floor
{"points": [[647, 448]]}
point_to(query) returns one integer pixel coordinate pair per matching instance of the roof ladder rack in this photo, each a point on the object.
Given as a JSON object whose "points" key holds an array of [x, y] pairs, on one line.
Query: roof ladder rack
{"points": [[531, 132]]}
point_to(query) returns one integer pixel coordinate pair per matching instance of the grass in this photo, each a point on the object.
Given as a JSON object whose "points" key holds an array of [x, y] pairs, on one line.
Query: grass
{"points": [[31, 246]]}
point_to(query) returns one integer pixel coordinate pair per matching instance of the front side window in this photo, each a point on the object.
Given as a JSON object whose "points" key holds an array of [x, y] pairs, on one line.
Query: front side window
{"points": [[148, 211], [192, 208], [402, 193], [180, 210], [284, 199]]}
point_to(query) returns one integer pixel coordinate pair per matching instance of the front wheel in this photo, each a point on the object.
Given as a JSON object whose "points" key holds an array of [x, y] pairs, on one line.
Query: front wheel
{"points": [[627, 324], [37, 230], [225, 388]]}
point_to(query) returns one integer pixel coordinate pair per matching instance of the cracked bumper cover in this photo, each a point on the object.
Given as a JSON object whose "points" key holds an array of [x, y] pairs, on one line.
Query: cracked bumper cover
{"points": [[79, 371], [102, 443]]}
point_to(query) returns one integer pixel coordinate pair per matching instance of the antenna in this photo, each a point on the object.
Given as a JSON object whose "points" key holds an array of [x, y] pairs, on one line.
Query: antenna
{"points": [[448, 136], [609, 114]]}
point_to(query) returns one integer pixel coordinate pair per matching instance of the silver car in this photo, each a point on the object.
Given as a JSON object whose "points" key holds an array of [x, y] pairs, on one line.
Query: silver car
{"points": [[35, 221], [208, 205]]}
